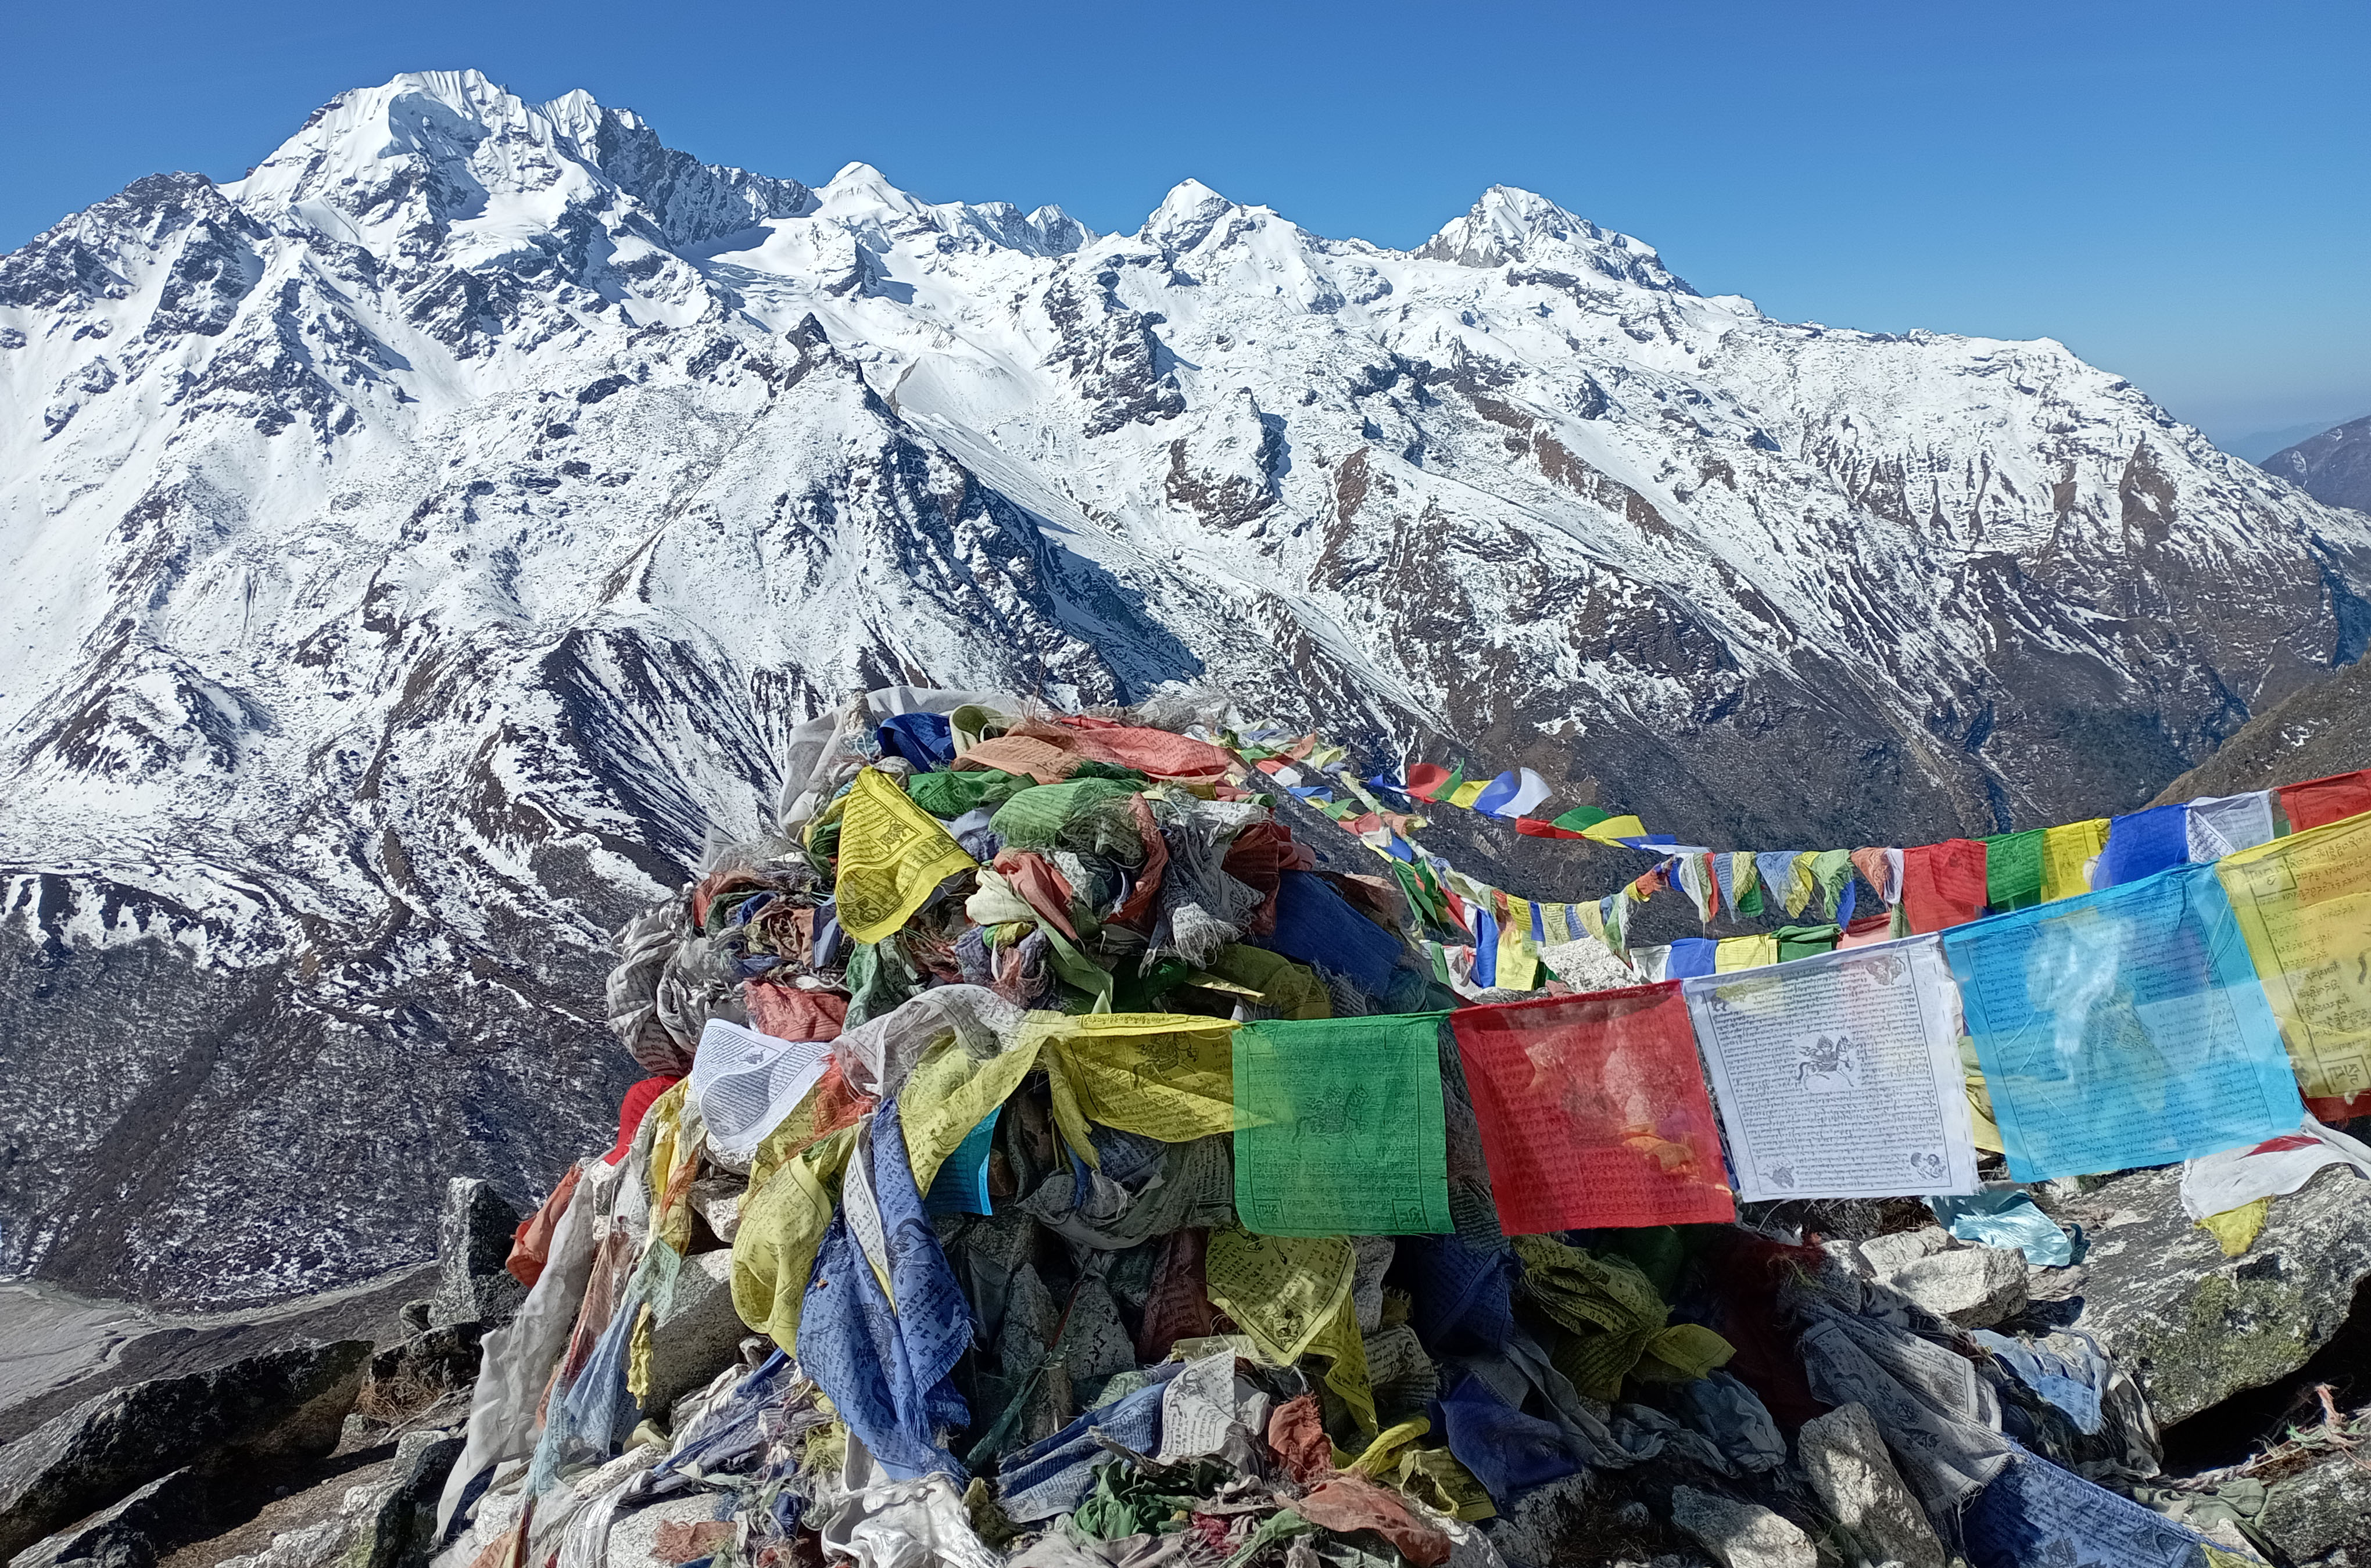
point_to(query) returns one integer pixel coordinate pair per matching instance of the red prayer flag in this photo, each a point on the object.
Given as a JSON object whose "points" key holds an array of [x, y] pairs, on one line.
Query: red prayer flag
{"points": [[1943, 884], [1593, 1111], [1539, 827], [2320, 801], [1423, 778]]}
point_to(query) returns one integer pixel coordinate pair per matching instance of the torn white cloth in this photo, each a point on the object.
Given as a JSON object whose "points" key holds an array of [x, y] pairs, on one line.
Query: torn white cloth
{"points": [[2215, 1183], [745, 1082]]}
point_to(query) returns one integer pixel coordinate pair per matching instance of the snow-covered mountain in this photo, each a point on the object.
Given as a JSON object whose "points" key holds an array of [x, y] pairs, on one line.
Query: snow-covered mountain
{"points": [[417, 548]]}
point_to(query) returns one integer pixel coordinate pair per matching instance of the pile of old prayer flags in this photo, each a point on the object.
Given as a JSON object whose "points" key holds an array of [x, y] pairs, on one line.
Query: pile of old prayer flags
{"points": [[1593, 1111], [2121, 1029]]}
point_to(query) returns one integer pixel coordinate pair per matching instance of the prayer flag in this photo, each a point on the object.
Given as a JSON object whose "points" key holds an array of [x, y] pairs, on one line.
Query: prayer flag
{"points": [[893, 855], [1580, 819], [1429, 781], [1339, 1128], [1732, 954], [2142, 845], [2122, 1028], [2067, 855], [1463, 794], [2225, 824], [2304, 906], [1615, 830], [1838, 1075], [2013, 869], [1943, 884], [1512, 793], [1593, 1111], [2319, 802], [1166, 1076]]}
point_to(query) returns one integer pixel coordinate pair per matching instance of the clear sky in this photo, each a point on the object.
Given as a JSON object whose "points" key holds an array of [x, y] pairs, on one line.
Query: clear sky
{"points": [[2176, 190]]}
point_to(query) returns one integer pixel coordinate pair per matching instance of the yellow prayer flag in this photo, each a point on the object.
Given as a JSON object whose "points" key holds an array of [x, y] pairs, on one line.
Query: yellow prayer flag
{"points": [[2064, 852], [2304, 908], [781, 1226], [950, 1092], [1743, 952], [1167, 1076], [1802, 885], [1466, 794], [893, 855], [1291, 1294], [1519, 957], [1613, 828]]}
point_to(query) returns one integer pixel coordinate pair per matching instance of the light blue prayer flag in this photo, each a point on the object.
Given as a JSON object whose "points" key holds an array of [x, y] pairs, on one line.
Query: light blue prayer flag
{"points": [[961, 1185], [2122, 1028]]}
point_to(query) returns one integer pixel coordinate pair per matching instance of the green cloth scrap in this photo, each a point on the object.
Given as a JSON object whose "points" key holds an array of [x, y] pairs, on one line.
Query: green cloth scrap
{"points": [[1614, 1322], [1833, 869], [950, 795], [1339, 1129], [1089, 816], [1805, 941], [2013, 869]]}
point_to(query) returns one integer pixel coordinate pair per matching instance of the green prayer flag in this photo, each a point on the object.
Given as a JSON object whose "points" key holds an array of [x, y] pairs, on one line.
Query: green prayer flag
{"points": [[948, 795], [2013, 869], [1805, 941], [1339, 1129], [1582, 818], [1833, 869]]}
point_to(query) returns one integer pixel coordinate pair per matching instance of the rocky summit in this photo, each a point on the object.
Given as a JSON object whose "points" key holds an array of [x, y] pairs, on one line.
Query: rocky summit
{"points": [[421, 546]]}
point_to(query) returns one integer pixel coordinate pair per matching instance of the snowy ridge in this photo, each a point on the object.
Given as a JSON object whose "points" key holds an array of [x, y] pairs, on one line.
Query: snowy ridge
{"points": [[421, 546]]}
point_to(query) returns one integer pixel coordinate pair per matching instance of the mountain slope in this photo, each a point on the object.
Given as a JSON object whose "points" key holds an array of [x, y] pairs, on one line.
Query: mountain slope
{"points": [[2334, 466], [422, 546]]}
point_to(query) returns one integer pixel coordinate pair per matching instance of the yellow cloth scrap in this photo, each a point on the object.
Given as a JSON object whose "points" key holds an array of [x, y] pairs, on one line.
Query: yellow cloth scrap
{"points": [[675, 1160], [1292, 989], [638, 1355], [949, 1093], [781, 1226], [1743, 952], [1166, 1076], [1980, 1097], [1292, 1296], [1614, 1320], [893, 855], [2064, 852], [1383, 1453], [2235, 1230], [1519, 958], [1801, 887], [1434, 1478]]}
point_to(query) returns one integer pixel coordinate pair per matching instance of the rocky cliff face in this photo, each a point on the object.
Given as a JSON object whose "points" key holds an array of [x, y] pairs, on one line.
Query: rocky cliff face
{"points": [[419, 549], [2334, 466]]}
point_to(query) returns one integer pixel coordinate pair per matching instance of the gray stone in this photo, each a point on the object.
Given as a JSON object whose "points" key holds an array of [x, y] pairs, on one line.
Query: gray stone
{"points": [[717, 1200], [2196, 1327], [699, 1333], [1738, 1534], [266, 1409], [135, 1533], [402, 1532], [1899, 1248], [1844, 1458], [473, 1241], [2313, 1518], [1532, 1532], [1974, 1286]]}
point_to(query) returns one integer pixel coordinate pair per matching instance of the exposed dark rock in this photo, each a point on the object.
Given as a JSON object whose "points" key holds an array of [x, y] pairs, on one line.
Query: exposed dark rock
{"points": [[473, 1238], [266, 1411], [133, 1533], [2323, 729], [2322, 1516]]}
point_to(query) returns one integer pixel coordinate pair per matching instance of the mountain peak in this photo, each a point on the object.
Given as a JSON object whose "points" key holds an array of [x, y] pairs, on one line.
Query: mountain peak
{"points": [[1185, 216], [1509, 223]]}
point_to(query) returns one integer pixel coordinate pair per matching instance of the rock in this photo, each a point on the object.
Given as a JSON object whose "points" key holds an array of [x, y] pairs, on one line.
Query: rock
{"points": [[1974, 1286], [1740, 1534], [402, 1533], [415, 1315], [1531, 1532], [232, 1420], [699, 1334], [133, 1533], [2196, 1327], [409, 1375], [2313, 1518], [1844, 1457], [473, 1240], [717, 1200], [1899, 1250]]}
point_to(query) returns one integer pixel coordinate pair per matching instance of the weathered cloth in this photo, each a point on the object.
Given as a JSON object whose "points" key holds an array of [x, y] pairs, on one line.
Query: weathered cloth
{"points": [[1339, 1128]]}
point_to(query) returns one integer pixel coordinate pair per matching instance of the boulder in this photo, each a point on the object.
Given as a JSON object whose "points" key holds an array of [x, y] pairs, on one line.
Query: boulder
{"points": [[1974, 1286], [2314, 1518], [473, 1241], [135, 1533], [1844, 1458], [2196, 1327], [699, 1333], [1899, 1248], [402, 1532], [1738, 1534], [234, 1420]]}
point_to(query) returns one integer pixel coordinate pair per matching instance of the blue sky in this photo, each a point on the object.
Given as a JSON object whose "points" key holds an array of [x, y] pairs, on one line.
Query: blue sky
{"points": [[2175, 190]]}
